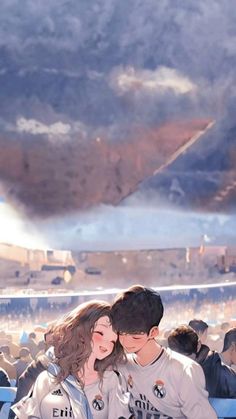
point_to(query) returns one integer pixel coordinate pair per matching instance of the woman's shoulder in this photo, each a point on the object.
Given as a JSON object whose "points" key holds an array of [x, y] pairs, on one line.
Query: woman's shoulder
{"points": [[113, 377], [109, 374], [45, 380]]}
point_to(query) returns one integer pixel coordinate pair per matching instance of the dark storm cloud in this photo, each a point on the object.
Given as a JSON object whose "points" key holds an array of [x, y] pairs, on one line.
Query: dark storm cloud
{"points": [[80, 69], [65, 53]]}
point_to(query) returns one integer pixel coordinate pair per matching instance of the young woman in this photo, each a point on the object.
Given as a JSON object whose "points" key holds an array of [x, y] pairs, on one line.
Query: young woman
{"points": [[80, 381]]}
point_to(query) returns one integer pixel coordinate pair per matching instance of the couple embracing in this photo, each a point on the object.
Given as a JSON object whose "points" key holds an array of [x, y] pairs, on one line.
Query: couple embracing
{"points": [[105, 362]]}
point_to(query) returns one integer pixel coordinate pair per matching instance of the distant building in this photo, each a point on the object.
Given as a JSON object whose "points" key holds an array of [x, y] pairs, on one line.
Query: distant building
{"points": [[36, 260]]}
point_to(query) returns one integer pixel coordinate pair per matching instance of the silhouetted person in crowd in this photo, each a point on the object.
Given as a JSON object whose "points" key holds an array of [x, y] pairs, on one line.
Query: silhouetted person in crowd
{"points": [[201, 328], [22, 363], [7, 353], [4, 382], [7, 366], [220, 378], [42, 348], [14, 347], [185, 341], [228, 354], [28, 378], [32, 345]]}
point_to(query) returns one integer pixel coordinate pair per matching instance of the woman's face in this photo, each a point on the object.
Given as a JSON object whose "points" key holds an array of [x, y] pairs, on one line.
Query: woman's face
{"points": [[103, 338]]}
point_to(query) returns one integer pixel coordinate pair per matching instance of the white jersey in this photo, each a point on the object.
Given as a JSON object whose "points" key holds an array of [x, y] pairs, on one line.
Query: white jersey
{"points": [[50, 400], [173, 386]]}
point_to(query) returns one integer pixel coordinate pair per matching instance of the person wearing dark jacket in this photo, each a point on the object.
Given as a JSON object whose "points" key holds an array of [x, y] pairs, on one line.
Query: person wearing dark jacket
{"points": [[228, 354], [220, 378], [28, 378], [4, 382]]}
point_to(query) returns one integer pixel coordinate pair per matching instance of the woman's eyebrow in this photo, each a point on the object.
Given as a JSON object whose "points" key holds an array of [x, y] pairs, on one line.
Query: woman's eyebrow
{"points": [[103, 324]]}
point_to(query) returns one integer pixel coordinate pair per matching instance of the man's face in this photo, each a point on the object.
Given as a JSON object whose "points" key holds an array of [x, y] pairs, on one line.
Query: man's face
{"points": [[103, 338], [233, 353], [203, 336], [133, 343]]}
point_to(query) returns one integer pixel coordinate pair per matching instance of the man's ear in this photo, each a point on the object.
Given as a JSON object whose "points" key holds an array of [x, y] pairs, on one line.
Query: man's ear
{"points": [[232, 347], [154, 332]]}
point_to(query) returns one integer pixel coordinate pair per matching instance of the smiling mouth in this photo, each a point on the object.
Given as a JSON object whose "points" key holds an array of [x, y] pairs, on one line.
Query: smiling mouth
{"points": [[102, 349]]}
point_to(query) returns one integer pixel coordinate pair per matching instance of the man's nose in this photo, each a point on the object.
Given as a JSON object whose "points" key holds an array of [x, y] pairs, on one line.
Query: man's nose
{"points": [[125, 338]]}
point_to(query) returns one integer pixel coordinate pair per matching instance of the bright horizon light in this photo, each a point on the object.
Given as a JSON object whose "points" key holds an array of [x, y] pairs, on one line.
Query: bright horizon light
{"points": [[16, 231]]}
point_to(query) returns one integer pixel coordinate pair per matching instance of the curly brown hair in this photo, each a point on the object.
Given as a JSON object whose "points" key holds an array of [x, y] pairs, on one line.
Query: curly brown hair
{"points": [[72, 336]]}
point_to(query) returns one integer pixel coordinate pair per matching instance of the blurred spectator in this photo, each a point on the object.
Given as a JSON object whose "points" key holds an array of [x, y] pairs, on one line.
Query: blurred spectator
{"points": [[7, 366], [4, 382], [184, 340], [22, 363], [220, 378], [201, 328], [6, 350], [23, 338], [42, 348], [32, 345], [28, 377], [228, 354], [14, 348]]}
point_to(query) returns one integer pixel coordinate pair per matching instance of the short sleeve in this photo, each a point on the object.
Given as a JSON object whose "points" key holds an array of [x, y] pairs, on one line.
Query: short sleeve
{"points": [[193, 395]]}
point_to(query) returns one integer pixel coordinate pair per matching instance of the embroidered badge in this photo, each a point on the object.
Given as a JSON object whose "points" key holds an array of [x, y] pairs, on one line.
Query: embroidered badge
{"points": [[57, 393], [98, 403], [130, 381], [159, 389]]}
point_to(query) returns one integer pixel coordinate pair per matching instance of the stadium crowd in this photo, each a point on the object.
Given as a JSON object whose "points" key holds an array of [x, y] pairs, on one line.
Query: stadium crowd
{"points": [[198, 323]]}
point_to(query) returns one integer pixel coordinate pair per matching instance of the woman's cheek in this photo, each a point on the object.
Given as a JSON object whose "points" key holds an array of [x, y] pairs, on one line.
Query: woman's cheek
{"points": [[97, 338]]}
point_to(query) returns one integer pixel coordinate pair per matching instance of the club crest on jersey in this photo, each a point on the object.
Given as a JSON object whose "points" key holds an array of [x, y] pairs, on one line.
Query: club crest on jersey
{"points": [[159, 389], [98, 403]]}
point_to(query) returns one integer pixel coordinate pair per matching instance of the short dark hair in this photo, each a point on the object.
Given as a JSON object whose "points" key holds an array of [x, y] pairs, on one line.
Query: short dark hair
{"points": [[229, 339], [24, 352], [184, 340], [198, 325], [137, 310]]}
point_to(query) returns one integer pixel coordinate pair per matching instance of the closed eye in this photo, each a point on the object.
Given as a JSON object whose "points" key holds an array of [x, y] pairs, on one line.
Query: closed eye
{"points": [[97, 331]]}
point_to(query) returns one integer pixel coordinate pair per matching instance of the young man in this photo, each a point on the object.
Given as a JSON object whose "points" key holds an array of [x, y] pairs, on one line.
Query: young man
{"points": [[163, 383], [201, 328], [184, 340], [220, 378], [228, 354]]}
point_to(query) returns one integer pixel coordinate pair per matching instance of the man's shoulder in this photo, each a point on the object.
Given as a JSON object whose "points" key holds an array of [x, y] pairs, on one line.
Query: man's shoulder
{"points": [[178, 359], [212, 359], [168, 359]]}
